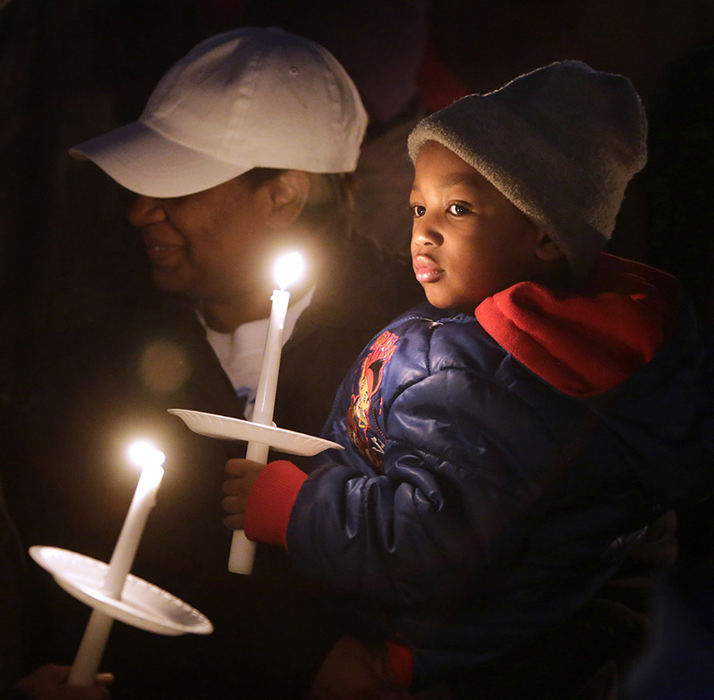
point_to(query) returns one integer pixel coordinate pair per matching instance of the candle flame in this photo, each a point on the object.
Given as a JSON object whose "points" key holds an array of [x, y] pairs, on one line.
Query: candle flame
{"points": [[288, 269], [144, 454]]}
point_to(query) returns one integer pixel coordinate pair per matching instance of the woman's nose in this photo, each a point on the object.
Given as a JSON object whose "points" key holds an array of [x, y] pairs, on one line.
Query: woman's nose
{"points": [[146, 210]]}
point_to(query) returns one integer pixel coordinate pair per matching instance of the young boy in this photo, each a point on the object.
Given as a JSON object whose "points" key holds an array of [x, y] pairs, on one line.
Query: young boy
{"points": [[507, 443]]}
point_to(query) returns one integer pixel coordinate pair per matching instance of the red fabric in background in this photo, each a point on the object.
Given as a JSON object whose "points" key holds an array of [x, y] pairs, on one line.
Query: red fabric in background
{"points": [[438, 86]]}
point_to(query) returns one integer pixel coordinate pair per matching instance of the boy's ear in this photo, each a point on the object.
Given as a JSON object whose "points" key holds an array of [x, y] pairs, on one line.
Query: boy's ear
{"points": [[287, 194], [546, 248]]}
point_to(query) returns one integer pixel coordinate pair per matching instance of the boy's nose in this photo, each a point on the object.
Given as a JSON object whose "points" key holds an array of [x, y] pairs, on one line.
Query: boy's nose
{"points": [[146, 210], [424, 233]]}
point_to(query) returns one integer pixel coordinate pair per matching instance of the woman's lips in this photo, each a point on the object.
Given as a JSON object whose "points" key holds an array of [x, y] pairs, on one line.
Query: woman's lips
{"points": [[159, 253], [426, 270]]}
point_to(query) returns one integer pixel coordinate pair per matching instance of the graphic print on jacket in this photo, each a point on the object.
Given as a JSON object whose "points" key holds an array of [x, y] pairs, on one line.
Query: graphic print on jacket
{"points": [[362, 426]]}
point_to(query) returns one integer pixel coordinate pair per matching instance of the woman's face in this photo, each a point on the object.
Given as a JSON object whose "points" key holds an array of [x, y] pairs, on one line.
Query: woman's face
{"points": [[209, 245]]}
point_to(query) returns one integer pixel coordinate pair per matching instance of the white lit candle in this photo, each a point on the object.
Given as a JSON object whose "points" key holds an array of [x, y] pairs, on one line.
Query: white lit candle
{"points": [[91, 649], [288, 269]]}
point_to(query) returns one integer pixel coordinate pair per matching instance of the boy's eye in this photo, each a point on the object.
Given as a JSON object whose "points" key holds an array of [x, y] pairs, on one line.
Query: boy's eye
{"points": [[457, 209], [418, 210]]}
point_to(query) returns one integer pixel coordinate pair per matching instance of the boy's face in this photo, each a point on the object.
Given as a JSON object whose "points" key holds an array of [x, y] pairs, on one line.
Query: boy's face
{"points": [[468, 240]]}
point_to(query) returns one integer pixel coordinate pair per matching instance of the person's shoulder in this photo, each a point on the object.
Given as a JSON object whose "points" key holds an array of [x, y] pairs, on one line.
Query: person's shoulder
{"points": [[112, 342], [440, 325], [135, 320], [442, 339]]}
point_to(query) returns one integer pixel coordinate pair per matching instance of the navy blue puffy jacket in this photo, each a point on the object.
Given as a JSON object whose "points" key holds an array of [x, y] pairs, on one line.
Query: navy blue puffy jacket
{"points": [[475, 503]]}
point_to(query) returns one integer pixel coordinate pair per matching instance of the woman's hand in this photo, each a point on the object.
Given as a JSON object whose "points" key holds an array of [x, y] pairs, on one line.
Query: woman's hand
{"points": [[50, 683]]}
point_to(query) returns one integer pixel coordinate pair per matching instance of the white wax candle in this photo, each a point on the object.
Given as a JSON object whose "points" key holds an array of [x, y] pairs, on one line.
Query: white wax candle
{"points": [[268, 381], [288, 269], [134, 523], [242, 554], [91, 648]]}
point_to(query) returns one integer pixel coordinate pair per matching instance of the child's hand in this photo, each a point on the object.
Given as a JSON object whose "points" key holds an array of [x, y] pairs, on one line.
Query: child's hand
{"points": [[242, 474], [50, 683]]}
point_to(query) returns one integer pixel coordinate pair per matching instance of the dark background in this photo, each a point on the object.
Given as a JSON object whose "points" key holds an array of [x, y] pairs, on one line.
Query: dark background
{"points": [[71, 69]]}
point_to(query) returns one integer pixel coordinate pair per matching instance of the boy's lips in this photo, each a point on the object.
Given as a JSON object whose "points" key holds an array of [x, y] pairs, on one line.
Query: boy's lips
{"points": [[426, 270]]}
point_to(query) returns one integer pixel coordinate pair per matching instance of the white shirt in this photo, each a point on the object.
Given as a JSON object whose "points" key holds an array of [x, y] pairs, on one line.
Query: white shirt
{"points": [[241, 352]]}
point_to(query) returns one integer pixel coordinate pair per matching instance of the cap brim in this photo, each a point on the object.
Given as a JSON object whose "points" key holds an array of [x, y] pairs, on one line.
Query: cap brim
{"points": [[145, 162]]}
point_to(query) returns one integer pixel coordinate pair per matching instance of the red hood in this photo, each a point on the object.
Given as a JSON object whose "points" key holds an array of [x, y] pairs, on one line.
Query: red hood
{"points": [[587, 342]]}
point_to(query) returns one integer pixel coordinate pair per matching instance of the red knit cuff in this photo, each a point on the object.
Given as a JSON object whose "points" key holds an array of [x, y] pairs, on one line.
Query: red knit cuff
{"points": [[270, 503], [402, 663]]}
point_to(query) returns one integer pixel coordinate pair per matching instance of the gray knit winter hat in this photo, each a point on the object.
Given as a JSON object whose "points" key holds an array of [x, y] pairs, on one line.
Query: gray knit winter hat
{"points": [[561, 143]]}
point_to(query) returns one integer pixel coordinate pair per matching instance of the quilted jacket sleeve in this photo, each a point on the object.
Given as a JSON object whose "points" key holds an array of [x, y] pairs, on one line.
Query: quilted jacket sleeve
{"points": [[453, 484]]}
